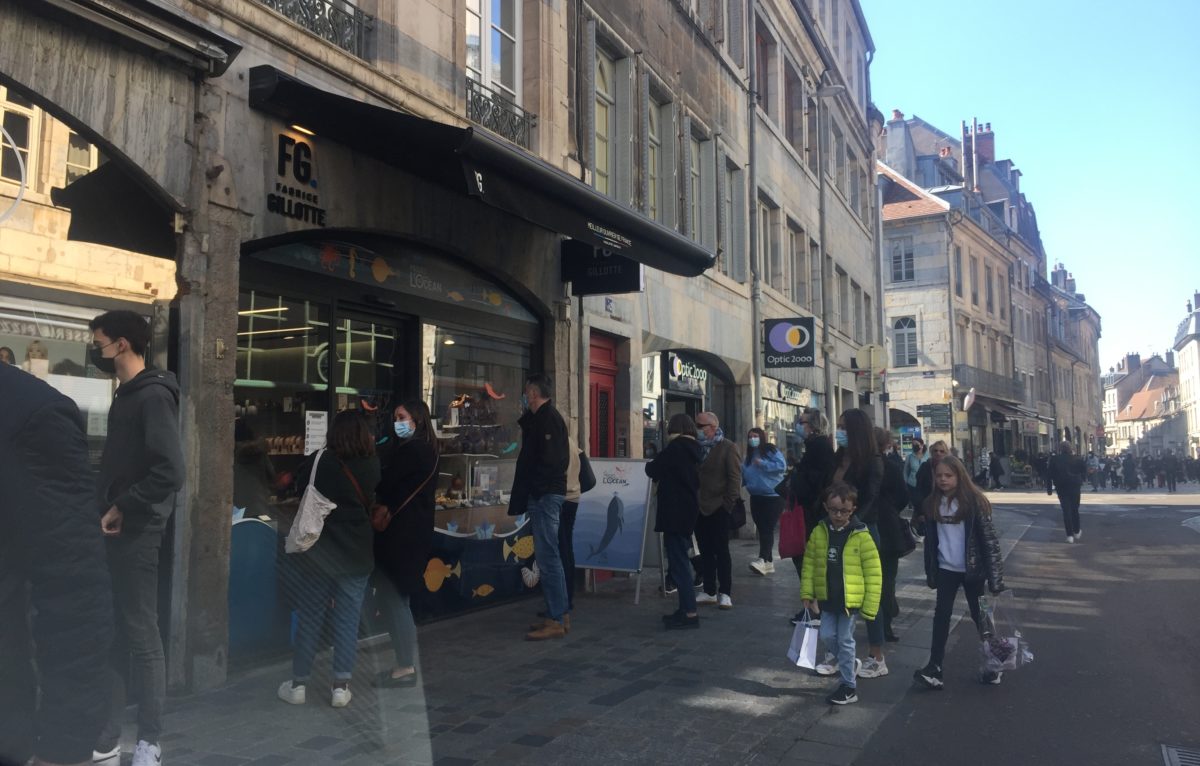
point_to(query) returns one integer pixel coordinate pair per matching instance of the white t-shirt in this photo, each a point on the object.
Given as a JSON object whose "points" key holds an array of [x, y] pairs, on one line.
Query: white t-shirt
{"points": [[952, 539]]}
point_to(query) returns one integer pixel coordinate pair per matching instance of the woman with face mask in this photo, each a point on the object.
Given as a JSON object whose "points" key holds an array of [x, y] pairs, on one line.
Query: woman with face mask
{"points": [[762, 473], [409, 457], [811, 477]]}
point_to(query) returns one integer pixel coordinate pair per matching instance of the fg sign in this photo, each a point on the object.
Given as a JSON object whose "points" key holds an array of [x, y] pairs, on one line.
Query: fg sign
{"points": [[789, 342]]}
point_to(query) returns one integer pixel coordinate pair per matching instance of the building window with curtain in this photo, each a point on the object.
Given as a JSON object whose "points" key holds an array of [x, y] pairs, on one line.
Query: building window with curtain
{"points": [[82, 157], [904, 342], [492, 45]]}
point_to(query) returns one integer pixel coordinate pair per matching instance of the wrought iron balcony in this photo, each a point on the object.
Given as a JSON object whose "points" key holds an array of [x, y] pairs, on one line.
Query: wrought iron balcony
{"points": [[338, 22], [496, 112], [989, 383]]}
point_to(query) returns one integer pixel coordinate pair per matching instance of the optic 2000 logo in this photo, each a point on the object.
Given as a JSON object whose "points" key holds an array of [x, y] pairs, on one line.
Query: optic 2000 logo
{"points": [[790, 342]]}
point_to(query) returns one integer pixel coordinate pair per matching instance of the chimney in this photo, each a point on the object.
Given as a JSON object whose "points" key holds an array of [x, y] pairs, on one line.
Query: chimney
{"points": [[1196, 300], [1058, 277], [1171, 360], [901, 154], [985, 144], [1069, 284], [1133, 362], [897, 115]]}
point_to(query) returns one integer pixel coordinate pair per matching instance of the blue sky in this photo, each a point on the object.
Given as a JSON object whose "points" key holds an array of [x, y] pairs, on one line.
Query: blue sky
{"points": [[1098, 104]]}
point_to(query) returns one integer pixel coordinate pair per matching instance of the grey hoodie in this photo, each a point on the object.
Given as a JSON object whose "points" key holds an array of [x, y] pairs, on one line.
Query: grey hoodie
{"points": [[142, 465]]}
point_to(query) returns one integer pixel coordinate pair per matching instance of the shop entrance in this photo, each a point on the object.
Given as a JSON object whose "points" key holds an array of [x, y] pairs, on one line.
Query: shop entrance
{"points": [[602, 393]]}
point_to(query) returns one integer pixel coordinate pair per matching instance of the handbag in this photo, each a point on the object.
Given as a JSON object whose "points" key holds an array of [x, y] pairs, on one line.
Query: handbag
{"points": [[803, 649], [310, 519], [587, 477], [792, 532], [737, 516], [381, 515]]}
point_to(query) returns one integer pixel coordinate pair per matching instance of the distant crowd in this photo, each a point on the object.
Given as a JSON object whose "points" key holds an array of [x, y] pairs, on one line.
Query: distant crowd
{"points": [[1131, 473]]}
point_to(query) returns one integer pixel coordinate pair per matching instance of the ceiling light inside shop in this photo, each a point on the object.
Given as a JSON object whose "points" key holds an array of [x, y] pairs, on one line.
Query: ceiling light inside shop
{"points": [[277, 330], [303, 130], [276, 310], [448, 342]]}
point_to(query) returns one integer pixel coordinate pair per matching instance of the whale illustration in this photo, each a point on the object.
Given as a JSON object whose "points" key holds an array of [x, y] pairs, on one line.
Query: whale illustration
{"points": [[616, 523]]}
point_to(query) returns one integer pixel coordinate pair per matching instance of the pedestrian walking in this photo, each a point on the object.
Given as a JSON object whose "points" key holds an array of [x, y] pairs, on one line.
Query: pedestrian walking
{"points": [[1065, 475], [961, 551], [407, 484], [912, 465], [995, 470], [337, 567], [141, 469], [859, 464], [720, 489], [762, 472], [1129, 473], [56, 619], [539, 489], [841, 579], [1170, 464], [893, 543], [676, 473], [938, 450], [811, 478], [1093, 470]]}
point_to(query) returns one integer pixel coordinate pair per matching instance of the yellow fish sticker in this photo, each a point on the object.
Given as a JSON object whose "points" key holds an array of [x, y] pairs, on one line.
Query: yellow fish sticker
{"points": [[437, 571], [483, 591], [380, 270], [523, 547]]}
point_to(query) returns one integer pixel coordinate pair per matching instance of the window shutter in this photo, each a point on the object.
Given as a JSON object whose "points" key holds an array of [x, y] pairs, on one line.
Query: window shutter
{"points": [[724, 235], [736, 33], [623, 141], [643, 184], [708, 193], [587, 99], [685, 216], [670, 161], [738, 255]]}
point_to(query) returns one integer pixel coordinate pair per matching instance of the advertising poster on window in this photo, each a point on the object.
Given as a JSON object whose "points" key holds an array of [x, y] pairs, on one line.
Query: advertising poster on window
{"points": [[610, 527]]}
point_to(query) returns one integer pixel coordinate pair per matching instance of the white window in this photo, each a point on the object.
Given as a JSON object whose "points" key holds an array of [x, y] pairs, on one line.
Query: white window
{"points": [[733, 233], [493, 55], [19, 117], [768, 244], [798, 256], [82, 157], [700, 188], [606, 122], [904, 342], [902, 259]]}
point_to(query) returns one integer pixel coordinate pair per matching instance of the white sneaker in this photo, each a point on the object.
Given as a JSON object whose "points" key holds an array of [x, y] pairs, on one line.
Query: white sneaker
{"points": [[704, 598], [873, 668], [725, 602], [146, 754], [293, 695], [827, 666], [758, 566], [341, 697], [1079, 535], [770, 567], [1070, 538], [109, 757]]}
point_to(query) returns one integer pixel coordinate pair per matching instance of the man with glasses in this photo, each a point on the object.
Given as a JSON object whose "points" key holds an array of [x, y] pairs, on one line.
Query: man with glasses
{"points": [[720, 489], [141, 469]]}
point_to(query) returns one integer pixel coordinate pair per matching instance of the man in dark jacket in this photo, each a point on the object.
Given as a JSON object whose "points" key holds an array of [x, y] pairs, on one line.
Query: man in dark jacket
{"points": [[51, 559], [141, 469], [539, 488], [1065, 474]]}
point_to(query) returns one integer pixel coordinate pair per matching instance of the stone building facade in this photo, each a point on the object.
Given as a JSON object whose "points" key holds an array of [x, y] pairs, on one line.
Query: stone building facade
{"points": [[1187, 349]]}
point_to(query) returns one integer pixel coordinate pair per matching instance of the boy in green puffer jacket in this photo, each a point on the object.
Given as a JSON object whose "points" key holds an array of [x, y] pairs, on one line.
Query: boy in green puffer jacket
{"points": [[842, 576]]}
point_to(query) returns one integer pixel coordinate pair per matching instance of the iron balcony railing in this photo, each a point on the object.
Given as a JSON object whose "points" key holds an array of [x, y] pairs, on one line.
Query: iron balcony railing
{"points": [[498, 113], [338, 22], [989, 383]]}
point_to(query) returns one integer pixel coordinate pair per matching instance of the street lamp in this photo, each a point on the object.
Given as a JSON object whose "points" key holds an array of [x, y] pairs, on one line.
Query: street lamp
{"points": [[822, 93]]}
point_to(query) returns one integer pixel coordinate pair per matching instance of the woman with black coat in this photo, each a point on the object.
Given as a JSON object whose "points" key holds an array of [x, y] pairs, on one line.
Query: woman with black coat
{"points": [[859, 464], [407, 487], [676, 473], [893, 543]]}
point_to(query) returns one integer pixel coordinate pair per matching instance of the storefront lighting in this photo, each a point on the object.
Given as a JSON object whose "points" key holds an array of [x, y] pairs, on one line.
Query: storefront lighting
{"points": [[276, 330], [303, 130], [276, 310], [448, 342]]}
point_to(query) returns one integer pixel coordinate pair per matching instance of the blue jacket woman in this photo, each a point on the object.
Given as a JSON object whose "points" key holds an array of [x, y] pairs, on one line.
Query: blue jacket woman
{"points": [[763, 471]]}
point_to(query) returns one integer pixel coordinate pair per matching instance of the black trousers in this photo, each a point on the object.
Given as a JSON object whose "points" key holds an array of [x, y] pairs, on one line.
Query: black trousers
{"points": [[712, 534], [1068, 499], [765, 510], [889, 607], [566, 547], [948, 584]]}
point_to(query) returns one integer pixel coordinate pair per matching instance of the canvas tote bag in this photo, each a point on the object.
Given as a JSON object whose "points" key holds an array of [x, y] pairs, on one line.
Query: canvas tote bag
{"points": [[310, 519]]}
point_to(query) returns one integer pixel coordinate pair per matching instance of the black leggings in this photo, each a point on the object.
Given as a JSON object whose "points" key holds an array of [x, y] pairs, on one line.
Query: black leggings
{"points": [[947, 590], [765, 510]]}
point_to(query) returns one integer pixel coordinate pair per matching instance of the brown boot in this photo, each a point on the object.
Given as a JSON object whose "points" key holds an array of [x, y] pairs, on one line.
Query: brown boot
{"points": [[550, 629], [542, 623]]}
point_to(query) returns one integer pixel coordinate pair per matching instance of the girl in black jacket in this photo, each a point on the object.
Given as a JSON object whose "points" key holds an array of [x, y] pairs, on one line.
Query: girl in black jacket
{"points": [[676, 472], [961, 550], [811, 477], [407, 487]]}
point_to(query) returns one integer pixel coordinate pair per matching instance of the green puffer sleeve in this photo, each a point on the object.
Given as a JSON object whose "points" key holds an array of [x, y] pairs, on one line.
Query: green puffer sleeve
{"points": [[814, 565], [872, 571]]}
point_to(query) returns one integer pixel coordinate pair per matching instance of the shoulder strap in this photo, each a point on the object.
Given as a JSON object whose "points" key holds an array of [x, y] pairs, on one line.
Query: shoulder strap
{"points": [[362, 496], [416, 491], [312, 476]]}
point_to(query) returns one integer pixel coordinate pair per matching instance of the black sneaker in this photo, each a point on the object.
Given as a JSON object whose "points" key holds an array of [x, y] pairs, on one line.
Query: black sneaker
{"points": [[930, 676], [680, 621], [670, 590], [799, 618], [992, 677], [672, 616], [845, 695]]}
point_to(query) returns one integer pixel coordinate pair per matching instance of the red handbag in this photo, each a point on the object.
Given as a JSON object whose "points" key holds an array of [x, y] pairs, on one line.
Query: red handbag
{"points": [[792, 532]]}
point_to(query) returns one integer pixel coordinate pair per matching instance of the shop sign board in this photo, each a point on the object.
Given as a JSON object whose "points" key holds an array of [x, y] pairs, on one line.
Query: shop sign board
{"points": [[680, 374], [789, 393], [610, 526], [292, 189], [599, 271], [789, 342]]}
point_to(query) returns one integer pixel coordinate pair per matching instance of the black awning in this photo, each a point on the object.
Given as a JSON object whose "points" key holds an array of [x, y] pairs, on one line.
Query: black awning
{"points": [[111, 207], [473, 162]]}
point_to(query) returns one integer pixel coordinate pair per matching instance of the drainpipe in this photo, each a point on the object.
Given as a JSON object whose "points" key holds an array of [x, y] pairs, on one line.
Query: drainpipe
{"points": [[953, 323], [756, 362], [826, 344]]}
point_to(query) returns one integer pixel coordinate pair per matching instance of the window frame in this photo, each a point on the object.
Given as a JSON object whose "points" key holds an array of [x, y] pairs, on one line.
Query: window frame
{"points": [[958, 275], [904, 339], [487, 27], [907, 271], [29, 154]]}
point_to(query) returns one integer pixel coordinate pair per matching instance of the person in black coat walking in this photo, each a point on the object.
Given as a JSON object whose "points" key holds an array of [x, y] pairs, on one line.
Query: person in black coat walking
{"points": [[893, 543], [811, 477], [1066, 474], [408, 482], [51, 565], [676, 473]]}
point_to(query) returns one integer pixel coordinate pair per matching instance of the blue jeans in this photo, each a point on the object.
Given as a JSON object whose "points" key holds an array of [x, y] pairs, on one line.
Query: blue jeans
{"points": [[315, 592], [680, 568], [875, 627], [544, 514], [837, 634], [397, 611]]}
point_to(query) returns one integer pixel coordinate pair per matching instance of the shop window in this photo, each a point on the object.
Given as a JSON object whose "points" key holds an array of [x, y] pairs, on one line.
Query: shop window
{"points": [[493, 44], [19, 117]]}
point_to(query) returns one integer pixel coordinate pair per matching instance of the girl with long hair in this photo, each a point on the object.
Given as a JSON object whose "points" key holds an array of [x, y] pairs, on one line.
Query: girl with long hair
{"points": [[407, 487], [961, 550], [764, 469], [859, 464]]}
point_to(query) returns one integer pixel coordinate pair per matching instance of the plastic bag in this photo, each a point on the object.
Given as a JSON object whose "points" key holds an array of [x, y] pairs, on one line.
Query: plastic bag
{"points": [[1002, 646], [805, 638]]}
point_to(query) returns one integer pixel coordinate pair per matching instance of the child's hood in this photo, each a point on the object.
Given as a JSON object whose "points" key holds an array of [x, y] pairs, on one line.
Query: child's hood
{"points": [[854, 524]]}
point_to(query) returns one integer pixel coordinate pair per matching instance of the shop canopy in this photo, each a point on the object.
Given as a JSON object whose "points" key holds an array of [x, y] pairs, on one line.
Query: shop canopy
{"points": [[480, 165]]}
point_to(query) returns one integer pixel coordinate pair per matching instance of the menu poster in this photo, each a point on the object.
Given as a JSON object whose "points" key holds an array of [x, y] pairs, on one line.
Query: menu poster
{"points": [[316, 425]]}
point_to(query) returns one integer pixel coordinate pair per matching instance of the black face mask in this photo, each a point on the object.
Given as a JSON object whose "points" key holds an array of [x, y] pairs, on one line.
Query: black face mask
{"points": [[105, 364]]}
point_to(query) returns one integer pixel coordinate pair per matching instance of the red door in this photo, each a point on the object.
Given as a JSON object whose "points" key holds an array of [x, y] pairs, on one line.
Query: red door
{"points": [[602, 396]]}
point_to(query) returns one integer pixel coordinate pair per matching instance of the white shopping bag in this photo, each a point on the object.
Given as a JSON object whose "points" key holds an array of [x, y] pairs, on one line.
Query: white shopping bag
{"points": [[310, 519], [803, 651]]}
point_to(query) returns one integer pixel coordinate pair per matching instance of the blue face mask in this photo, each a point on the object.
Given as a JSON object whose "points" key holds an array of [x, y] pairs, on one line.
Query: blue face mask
{"points": [[524, 403], [404, 428], [841, 437], [802, 430], [753, 441]]}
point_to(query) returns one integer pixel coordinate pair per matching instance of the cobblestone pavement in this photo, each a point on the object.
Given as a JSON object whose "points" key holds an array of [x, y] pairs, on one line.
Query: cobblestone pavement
{"points": [[618, 689]]}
